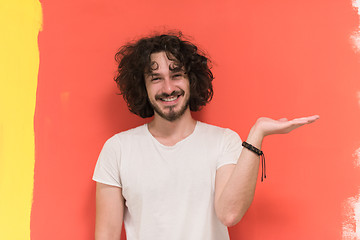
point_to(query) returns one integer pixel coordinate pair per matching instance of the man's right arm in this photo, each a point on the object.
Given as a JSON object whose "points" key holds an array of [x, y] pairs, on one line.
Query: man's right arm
{"points": [[109, 212]]}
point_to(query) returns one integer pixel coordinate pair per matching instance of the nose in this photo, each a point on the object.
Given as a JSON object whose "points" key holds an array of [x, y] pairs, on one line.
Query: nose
{"points": [[168, 86]]}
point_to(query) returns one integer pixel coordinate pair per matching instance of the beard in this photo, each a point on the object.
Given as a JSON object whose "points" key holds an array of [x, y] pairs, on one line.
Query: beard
{"points": [[171, 115]]}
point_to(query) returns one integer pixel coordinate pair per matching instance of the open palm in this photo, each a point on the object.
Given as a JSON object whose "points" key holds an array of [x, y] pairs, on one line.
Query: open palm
{"points": [[270, 126]]}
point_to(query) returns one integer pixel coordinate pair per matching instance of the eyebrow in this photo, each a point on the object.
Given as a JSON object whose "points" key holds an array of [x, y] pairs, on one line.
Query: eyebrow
{"points": [[154, 74], [175, 70], [178, 70]]}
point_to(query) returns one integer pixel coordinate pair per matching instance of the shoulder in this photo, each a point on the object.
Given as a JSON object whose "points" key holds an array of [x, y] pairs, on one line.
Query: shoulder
{"points": [[130, 133], [216, 130], [222, 136], [133, 133]]}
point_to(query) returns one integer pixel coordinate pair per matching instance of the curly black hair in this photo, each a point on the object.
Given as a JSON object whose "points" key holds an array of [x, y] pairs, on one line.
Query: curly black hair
{"points": [[134, 61]]}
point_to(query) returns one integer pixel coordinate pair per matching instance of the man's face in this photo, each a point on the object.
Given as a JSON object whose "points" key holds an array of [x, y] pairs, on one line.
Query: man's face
{"points": [[167, 87]]}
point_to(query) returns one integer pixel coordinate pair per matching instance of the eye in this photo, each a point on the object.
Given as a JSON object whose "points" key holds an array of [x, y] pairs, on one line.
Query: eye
{"points": [[155, 79], [177, 75]]}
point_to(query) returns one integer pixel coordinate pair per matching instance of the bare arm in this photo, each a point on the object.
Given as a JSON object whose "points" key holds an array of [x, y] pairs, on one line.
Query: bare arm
{"points": [[235, 184], [109, 212]]}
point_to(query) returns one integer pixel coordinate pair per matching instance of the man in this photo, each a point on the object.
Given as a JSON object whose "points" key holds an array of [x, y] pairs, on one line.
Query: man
{"points": [[175, 177]]}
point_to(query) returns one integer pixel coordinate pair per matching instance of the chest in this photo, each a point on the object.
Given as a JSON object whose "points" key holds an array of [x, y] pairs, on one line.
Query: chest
{"points": [[150, 171]]}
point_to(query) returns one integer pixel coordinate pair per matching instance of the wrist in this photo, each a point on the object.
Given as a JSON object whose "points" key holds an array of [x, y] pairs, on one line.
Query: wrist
{"points": [[253, 144], [255, 136]]}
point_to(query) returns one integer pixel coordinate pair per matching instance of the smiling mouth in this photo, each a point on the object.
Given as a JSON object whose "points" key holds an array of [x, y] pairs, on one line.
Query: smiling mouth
{"points": [[170, 98]]}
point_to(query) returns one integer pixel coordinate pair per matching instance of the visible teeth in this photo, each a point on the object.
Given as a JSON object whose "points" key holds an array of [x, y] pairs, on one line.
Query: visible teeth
{"points": [[169, 99]]}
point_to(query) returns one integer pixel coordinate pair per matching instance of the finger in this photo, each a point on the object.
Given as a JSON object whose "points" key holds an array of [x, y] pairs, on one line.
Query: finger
{"points": [[299, 121], [305, 120], [283, 119], [314, 118]]}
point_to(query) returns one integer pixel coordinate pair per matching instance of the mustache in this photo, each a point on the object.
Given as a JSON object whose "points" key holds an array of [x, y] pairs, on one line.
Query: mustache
{"points": [[173, 94]]}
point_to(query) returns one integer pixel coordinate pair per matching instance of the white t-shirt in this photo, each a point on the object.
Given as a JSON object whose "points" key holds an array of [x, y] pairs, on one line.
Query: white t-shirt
{"points": [[169, 190]]}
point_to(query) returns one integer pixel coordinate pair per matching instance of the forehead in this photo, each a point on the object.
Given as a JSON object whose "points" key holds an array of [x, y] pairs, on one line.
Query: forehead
{"points": [[163, 61], [161, 57]]}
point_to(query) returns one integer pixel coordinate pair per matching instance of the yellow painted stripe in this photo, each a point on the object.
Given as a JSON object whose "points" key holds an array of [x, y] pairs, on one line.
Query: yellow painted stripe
{"points": [[20, 23]]}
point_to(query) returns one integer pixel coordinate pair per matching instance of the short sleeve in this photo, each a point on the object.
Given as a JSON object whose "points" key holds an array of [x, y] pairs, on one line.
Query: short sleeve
{"points": [[231, 148], [107, 169]]}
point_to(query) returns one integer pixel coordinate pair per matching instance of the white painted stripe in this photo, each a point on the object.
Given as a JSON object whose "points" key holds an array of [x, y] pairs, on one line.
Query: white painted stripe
{"points": [[356, 156], [351, 224], [355, 37]]}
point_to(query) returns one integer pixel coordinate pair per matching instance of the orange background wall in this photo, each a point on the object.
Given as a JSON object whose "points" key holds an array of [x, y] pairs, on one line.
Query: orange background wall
{"points": [[271, 58]]}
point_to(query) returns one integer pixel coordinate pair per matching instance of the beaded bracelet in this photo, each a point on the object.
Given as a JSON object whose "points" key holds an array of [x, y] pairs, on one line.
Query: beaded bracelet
{"points": [[262, 157]]}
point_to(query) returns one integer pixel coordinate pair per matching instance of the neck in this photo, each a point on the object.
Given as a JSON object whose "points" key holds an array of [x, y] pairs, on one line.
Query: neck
{"points": [[169, 133]]}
